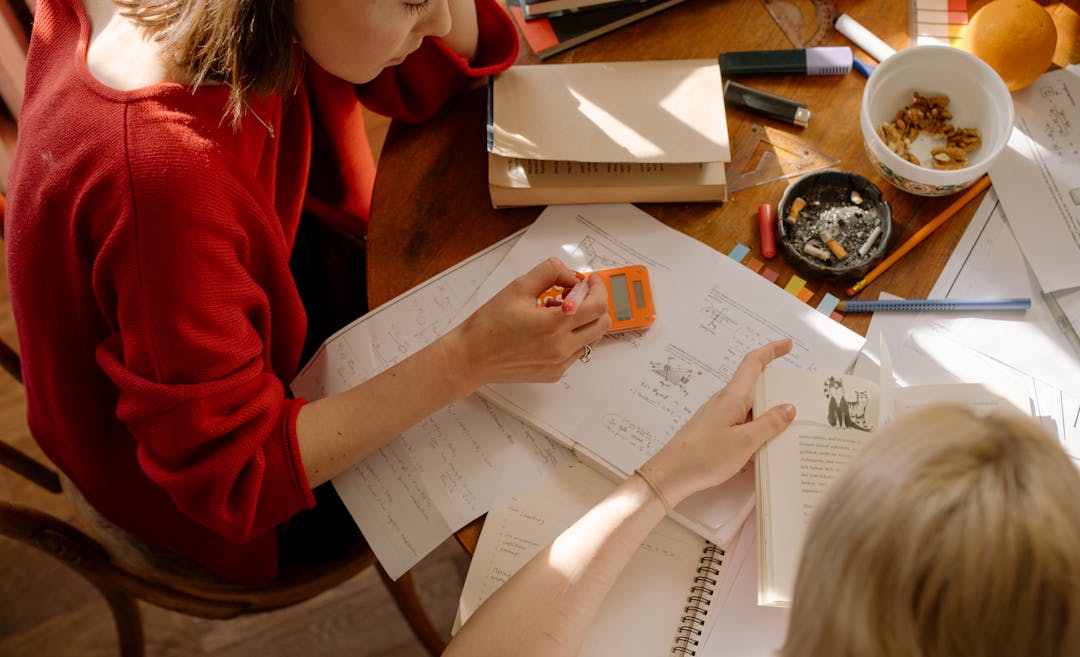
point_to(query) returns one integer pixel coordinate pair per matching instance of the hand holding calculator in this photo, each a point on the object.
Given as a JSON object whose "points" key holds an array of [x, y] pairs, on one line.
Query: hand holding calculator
{"points": [[630, 302]]}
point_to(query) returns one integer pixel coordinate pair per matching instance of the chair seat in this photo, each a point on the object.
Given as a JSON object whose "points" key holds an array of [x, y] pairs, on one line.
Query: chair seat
{"points": [[222, 598]]}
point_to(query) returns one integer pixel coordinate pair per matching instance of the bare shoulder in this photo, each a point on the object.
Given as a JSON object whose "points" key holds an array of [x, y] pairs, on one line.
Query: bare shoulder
{"points": [[118, 54]]}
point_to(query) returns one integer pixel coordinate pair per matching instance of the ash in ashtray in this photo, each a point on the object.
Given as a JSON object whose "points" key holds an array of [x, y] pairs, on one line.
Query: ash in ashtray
{"points": [[834, 222]]}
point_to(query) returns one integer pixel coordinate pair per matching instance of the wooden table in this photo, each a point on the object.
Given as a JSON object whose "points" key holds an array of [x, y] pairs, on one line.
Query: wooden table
{"points": [[431, 206]]}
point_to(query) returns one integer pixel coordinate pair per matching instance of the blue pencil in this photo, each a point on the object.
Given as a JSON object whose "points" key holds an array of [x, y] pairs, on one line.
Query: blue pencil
{"points": [[917, 305]]}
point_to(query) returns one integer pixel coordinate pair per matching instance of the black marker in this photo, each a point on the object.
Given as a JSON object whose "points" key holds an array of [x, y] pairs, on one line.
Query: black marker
{"points": [[822, 60], [766, 103]]}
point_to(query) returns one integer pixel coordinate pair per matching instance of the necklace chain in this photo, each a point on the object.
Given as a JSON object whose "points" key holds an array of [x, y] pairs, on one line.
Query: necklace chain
{"points": [[269, 126]]}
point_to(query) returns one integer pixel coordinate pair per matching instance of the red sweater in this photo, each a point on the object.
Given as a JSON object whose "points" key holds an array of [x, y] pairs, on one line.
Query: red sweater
{"points": [[148, 256]]}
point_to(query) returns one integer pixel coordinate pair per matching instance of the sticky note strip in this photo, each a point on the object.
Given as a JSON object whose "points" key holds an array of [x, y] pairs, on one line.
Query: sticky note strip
{"points": [[943, 5], [837, 316], [805, 295], [828, 304], [794, 285], [739, 252], [770, 274], [754, 264]]}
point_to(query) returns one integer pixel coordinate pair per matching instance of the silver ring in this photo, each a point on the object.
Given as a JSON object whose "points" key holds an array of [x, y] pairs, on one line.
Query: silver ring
{"points": [[587, 356]]}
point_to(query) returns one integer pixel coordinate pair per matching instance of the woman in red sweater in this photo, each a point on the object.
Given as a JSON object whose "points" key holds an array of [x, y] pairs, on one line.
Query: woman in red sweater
{"points": [[167, 152]]}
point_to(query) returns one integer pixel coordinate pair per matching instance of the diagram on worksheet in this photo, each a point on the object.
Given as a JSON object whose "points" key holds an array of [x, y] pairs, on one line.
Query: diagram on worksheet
{"points": [[597, 255]]}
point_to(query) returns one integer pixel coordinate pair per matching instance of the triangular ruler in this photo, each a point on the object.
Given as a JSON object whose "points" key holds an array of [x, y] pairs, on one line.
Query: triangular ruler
{"points": [[767, 154], [805, 23]]}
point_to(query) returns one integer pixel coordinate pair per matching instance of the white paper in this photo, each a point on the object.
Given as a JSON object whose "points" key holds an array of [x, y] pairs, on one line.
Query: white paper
{"points": [[1026, 349], [436, 477], [1037, 177], [640, 387]]}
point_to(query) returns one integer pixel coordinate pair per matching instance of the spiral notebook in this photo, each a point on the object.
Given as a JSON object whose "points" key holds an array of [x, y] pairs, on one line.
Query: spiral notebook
{"points": [[659, 605]]}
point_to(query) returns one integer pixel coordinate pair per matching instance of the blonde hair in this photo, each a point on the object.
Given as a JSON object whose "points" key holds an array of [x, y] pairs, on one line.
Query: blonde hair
{"points": [[951, 534], [246, 44]]}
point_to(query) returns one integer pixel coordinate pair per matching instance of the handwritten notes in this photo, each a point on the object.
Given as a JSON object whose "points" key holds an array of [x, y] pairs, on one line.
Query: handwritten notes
{"points": [[1037, 177], [638, 389], [444, 472]]}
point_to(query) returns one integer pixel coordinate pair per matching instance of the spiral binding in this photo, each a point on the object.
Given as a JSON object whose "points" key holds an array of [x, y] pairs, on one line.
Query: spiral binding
{"points": [[697, 603]]}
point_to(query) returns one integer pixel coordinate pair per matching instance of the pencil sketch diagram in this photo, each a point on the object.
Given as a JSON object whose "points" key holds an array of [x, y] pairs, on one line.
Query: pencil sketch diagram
{"points": [[739, 330], [1057, 128], [716, 317], [632, 338], [674, 374], [672, 389], [598, 255]]}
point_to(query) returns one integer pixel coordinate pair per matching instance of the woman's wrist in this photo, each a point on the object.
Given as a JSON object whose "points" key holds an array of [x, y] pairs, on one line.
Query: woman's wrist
{"points": [[458, 361]]}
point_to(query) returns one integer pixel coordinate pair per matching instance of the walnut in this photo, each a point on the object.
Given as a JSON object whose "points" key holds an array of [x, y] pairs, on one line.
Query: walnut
{"points": [[949, 157], [929, 114]]}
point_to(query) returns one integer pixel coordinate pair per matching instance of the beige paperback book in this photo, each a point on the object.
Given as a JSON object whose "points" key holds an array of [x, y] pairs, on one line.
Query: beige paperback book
{"points": [[836, 415], [618, 132]]}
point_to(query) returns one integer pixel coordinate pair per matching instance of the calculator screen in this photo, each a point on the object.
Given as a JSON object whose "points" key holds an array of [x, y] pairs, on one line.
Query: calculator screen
{"points": [[620, 292]]}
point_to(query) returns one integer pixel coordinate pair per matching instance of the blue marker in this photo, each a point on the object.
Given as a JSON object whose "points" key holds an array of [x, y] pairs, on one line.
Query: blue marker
{"points": [[862, 67]]}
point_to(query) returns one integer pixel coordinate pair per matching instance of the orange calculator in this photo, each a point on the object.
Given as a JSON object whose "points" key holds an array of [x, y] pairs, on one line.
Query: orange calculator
{"points": [[630, 301]]}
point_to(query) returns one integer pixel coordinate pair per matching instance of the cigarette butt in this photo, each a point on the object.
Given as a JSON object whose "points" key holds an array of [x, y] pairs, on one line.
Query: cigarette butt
{"points": [[817, 252], [865, 248], [796, 207], [833, 245]]}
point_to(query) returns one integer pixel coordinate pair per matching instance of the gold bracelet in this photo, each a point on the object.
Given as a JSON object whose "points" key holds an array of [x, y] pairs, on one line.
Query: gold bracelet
{"points": [[655, 489]]}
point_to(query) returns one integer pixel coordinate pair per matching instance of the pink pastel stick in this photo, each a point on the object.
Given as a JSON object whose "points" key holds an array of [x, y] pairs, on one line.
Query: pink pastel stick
{"points": [[576, 296]]}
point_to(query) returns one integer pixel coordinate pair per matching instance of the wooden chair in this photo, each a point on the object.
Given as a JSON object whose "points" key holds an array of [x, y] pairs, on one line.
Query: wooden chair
{"points": [[166, 580]]}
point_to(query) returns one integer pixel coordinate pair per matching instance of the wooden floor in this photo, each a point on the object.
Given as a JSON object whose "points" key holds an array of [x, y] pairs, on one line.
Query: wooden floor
{"points": [[47, 610]]}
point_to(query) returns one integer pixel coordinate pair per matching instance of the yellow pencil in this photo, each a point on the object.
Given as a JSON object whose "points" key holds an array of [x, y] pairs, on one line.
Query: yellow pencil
{"points": [[922, 233]]}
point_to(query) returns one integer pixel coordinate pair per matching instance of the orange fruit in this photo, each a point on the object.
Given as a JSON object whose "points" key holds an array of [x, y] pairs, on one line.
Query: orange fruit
{"points": [[1015, 37]]}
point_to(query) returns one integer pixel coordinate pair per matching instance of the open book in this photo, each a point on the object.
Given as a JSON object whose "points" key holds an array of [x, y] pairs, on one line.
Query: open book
{"points": [[837, 415], [647, 131], [622, 406]]}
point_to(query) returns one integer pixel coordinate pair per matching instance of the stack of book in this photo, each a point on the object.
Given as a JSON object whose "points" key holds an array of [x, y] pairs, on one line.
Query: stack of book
{"points": [[617, 132], [551, 31]]}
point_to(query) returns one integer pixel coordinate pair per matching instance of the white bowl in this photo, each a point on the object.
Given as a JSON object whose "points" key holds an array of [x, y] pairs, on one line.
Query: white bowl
{"points": [[977, 99]]}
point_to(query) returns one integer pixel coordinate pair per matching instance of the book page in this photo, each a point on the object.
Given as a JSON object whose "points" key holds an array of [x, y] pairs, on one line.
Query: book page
{"points": [[640, 387], [834, 417], [642, 612], [524, 174], [418, 489]]}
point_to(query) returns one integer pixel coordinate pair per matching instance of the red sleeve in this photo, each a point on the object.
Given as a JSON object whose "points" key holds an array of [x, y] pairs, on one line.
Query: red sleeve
{"points": [[415, 89], [189, 277]]}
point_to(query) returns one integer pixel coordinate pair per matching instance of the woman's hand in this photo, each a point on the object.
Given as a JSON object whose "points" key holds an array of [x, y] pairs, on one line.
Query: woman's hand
{"points": [[720, 438], [511, 339]]}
